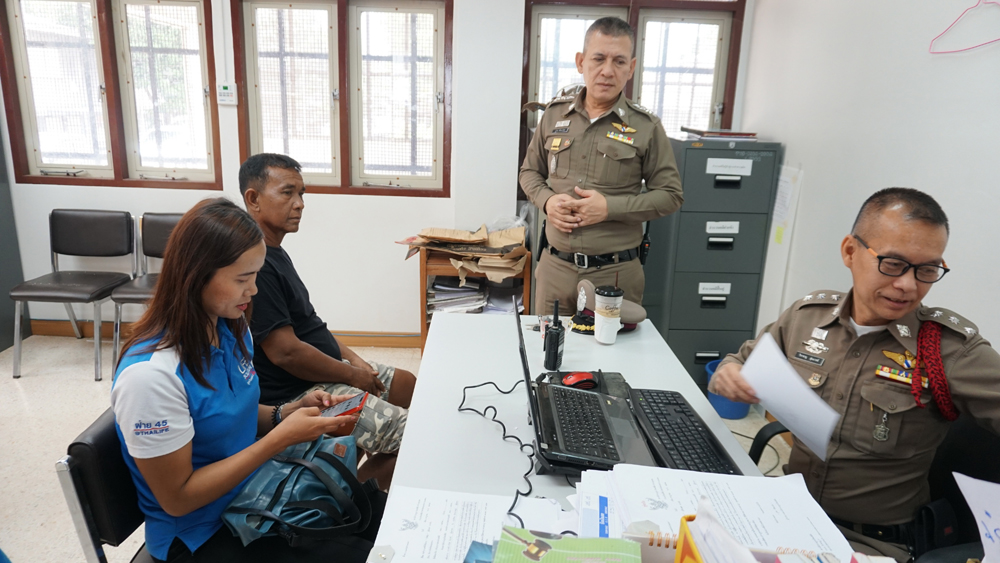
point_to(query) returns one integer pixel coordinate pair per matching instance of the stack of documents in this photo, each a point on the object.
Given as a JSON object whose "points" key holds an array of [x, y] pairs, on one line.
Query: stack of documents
{"points": [[500, 300], [445, 295], [647, 504]]}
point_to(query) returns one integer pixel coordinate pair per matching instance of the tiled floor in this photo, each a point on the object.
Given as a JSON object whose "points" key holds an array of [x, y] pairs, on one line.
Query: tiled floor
{"points": [[56, 398]]}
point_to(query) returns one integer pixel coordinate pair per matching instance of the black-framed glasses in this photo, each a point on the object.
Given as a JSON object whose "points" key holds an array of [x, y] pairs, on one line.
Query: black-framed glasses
{"points": [[895, 267]]}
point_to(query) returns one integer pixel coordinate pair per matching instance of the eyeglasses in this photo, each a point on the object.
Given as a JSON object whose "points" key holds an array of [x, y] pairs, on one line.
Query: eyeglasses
{"points": [[895, 267]]}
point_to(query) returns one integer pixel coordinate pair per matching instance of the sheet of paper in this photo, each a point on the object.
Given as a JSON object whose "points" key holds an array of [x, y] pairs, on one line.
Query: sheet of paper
{"points": [[541, 514], [715, 543], [984, 501], [783, 392], [597, 506], [760, 512], [437, 526]]}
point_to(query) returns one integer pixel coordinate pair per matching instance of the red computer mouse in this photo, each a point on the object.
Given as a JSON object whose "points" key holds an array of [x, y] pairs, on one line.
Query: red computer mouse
{"points": [[580, 380]]}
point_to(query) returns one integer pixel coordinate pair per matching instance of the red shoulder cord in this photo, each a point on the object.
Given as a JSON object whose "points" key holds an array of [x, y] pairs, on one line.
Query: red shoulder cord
{"points": [[929, 354]]}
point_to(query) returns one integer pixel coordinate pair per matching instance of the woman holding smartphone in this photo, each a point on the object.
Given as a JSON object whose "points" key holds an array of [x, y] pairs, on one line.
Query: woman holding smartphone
{"points": [[185, 397]]}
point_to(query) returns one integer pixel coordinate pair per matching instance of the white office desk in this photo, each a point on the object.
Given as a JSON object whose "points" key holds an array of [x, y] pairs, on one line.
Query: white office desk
{"points": [[448, 450]]}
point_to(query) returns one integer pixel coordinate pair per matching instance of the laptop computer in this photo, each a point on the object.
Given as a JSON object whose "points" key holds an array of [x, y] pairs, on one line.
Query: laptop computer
{"points": [[577, 429]]}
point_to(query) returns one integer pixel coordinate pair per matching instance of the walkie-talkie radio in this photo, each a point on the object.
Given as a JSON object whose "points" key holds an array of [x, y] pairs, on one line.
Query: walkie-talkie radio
{"points": [[555, 339]]}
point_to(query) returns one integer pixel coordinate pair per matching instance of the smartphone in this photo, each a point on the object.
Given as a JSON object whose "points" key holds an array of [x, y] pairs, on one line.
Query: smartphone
{"points": [[350, 406]]}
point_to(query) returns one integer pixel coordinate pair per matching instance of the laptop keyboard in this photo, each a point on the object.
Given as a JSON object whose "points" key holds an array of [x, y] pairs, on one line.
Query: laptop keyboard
{"points": [[584, 430], [685, 442]]}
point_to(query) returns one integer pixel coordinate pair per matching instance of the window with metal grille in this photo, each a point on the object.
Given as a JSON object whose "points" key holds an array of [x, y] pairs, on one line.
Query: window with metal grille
{"points": [[682, 66], [397, 67], [59, 56], [293, 85], [166, 94], [559, 32], [111, 92]]}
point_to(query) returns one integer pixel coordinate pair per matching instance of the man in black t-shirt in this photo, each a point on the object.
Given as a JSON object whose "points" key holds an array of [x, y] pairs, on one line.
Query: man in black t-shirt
{"points": [[294, 352]]}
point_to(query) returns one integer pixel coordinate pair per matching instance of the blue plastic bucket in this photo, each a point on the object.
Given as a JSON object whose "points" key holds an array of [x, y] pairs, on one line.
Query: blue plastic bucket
{"points": [[723, 406]]}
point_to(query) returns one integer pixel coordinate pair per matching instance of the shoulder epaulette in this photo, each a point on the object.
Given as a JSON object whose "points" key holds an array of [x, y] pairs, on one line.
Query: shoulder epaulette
{"points": [[641, 109], [560, 99], [948, 319], [821, 297]]}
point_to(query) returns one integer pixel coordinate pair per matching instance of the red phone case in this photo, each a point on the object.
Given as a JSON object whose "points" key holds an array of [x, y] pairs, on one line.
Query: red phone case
{"points": [[355, 409]]}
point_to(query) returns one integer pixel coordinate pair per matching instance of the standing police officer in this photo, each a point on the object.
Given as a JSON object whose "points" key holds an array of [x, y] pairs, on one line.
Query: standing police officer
{"points": [[585, 169]]}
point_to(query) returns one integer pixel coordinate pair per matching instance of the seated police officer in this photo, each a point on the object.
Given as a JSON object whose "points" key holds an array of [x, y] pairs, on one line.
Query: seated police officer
{"points": [[294, 352], [895, 369]]}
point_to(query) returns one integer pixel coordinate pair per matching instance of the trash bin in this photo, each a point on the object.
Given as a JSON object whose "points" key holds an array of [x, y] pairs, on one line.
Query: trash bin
{"points": [[723, 406]]}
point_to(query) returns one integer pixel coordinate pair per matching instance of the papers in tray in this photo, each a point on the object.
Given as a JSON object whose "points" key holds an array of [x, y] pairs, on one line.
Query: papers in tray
{"points": [[761, 513], [430, 526]]}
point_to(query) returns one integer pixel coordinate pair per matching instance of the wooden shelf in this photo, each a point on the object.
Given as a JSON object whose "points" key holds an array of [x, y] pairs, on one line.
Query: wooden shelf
{"points": [[436, 263]]}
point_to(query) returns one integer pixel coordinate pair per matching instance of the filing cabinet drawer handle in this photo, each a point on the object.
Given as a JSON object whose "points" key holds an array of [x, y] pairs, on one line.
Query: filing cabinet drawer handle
{"points": [[721, 243], [713, 301], [705, 357], [732, 182]]}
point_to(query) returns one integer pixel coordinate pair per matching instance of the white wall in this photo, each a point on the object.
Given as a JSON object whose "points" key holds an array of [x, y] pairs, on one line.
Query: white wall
{"points": [[346, 243], [851, 90]]}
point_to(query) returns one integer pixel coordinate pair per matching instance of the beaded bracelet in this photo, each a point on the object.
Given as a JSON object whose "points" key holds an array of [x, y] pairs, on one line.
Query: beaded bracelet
{"points": [[276, 414]]}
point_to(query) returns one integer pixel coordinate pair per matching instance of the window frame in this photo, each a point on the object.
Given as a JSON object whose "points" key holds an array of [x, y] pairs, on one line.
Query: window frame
{"points": [[129, 108], [107, 43], [542, 10], [255, 120], [347, 186], [725, 23], [736, 7], [19, 53]]}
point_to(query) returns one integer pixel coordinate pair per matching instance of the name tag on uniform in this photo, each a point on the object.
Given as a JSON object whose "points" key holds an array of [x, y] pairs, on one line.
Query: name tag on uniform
{"points": [[810, 358], [564, 123]]}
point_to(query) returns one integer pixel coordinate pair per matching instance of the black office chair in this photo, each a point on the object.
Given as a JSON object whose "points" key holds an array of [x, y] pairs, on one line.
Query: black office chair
{"points": [[78, 232], [99, 491], [968, 449], [151, 238]]}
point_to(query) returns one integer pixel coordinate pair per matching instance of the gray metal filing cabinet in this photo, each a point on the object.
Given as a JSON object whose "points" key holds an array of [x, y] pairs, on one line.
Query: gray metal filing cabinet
{"points": [[706, 262]]}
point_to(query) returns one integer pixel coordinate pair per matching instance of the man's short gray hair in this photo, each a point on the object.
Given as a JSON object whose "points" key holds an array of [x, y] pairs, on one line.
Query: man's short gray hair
{"points": [[612, 27]]}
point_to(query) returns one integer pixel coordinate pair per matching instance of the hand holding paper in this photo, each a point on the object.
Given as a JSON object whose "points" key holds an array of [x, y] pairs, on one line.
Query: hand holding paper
{"points": [[788, 398], [984, 501]]}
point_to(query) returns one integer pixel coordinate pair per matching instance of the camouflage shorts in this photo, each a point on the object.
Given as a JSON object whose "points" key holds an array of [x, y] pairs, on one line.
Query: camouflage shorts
{"points": [[380, 425]]}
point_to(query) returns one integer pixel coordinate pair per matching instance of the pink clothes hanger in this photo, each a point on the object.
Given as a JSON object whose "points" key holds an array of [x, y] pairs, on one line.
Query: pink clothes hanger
{"points": [[931, 50]]}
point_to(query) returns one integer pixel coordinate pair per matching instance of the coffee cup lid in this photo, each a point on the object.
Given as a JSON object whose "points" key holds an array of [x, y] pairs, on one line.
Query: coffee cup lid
{"points": [[610, 291]]}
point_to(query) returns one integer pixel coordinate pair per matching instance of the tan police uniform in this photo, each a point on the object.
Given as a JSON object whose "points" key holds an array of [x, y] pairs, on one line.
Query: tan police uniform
{"points": [[882, 447], [612, 155]]}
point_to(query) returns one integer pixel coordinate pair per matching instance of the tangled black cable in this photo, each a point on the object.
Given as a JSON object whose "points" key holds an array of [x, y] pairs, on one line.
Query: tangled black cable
{"points": [[521, 445]]}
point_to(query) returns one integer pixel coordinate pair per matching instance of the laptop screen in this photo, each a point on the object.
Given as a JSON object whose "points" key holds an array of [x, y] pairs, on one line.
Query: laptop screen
{"points": [[532, 404]]}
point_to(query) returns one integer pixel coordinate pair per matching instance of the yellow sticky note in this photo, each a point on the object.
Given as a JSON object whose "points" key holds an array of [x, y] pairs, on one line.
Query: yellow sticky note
{"points": [[779, 232]]}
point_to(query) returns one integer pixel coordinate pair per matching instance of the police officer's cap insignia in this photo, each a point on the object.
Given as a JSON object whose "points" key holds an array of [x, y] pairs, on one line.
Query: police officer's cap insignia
{"points": [[904, 330], [807, 297], [815, 380], [814, 347], [954, 320], [936, 314], [835, 297], [969, 330], [906, 360]]}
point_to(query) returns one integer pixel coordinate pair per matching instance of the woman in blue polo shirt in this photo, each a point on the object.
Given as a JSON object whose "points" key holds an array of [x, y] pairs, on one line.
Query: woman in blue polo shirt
{"points": [[185, 396]]}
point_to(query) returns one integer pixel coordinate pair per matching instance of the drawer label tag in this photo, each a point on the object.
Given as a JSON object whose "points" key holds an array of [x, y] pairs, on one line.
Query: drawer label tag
{"points": [[735, 166], [722, 227], [714, 288]]}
